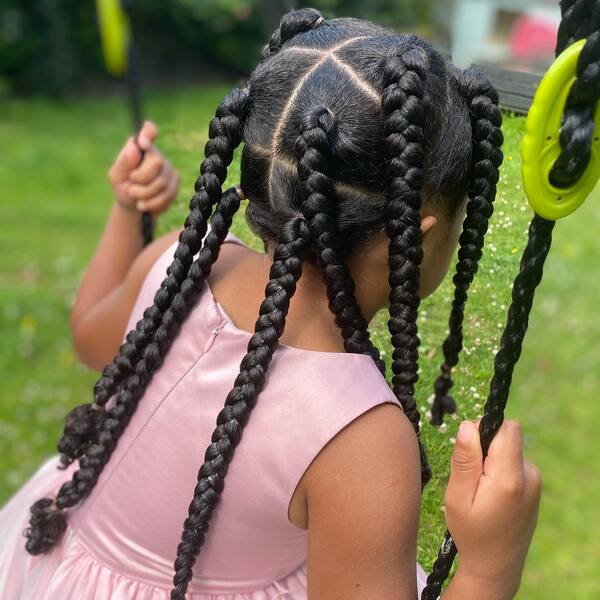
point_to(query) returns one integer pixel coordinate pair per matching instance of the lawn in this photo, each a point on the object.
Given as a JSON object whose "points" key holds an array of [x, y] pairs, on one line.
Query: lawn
{"points": [[55, 200]]}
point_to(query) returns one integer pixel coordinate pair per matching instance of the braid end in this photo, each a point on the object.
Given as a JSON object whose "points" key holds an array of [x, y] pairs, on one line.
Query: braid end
{"points": [[82, 426], [443, 402], [442, 405], [46, 526]]}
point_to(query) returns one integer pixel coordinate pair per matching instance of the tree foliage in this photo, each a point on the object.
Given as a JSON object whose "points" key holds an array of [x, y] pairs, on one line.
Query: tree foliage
{"points": [[52, 46]]}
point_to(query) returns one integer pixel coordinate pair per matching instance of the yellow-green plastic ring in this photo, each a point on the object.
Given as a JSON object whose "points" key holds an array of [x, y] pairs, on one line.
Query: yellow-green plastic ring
{"points": [[541, 147], [115, 35]]}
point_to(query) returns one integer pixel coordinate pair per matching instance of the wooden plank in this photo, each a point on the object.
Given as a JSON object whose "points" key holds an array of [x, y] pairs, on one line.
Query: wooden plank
{"points": [[518, 104], [516, 88], [518, 76]]}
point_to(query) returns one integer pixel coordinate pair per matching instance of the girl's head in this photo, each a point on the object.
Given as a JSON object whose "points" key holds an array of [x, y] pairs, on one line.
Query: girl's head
{"points": [[333, 74], [360, 148]]}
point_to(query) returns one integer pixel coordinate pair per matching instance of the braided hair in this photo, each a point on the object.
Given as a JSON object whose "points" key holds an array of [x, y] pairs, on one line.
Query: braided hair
{"points": [[348, 129], [486, 118], [92, 432], [84, 422], [405, 116], [317, 132]]}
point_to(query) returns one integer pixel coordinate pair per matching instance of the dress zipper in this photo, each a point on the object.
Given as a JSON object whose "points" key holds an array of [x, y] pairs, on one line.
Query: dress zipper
{"points": [[218, 329], [215, 332]]}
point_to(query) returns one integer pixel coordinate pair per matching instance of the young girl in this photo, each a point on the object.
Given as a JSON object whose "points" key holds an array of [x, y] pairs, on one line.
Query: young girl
{"points": [[360, 148]]}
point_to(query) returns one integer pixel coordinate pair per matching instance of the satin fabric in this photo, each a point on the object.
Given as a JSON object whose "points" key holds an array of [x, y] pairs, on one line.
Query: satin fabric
{"points": [[120, 542]]}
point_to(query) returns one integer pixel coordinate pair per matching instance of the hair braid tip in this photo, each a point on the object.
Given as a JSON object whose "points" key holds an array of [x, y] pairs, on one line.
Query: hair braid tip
{"points": [[47, 524], [240, 192]]}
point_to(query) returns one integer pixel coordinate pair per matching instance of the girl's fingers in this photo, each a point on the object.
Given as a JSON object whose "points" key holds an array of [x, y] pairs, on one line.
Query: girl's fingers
{"points": [[466, 467], [147, 135], [160, 203], [126, 160], [534, 480], [505, 457], [153, 188], [150, 168]]}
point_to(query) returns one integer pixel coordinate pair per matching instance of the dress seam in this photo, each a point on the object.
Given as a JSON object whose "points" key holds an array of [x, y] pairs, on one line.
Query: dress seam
{"points": [[126, 451], [86, 550], [93, 557]]}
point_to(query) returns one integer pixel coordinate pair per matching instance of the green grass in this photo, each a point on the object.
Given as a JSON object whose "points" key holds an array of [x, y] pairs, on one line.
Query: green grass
{"points": [[55, 200]]}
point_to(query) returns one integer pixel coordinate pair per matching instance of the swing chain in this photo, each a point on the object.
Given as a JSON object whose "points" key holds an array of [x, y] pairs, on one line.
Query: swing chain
{"points": [[132, 80]]}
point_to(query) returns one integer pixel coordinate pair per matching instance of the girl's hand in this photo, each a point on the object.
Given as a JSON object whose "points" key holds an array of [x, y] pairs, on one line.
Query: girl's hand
{"points": [[147, 187], [491, 507]]}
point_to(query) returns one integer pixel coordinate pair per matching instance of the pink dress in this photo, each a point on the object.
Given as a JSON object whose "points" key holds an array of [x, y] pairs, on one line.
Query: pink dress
{"points": [[120, 542]]}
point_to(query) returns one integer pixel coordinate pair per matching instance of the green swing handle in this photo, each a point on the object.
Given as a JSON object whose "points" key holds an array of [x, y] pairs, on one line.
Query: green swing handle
{"points": [[541, 145], [121, 60]]}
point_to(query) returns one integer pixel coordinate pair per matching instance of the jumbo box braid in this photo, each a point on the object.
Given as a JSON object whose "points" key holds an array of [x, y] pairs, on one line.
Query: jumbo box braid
{"points": [[85, 421], [47, 518], [284, 274], [405, 115], [313, 151], [486, 120]]}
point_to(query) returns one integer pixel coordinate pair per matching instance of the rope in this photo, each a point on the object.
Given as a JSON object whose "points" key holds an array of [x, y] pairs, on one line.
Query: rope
{"points": [[132, 80], [580, 19]]}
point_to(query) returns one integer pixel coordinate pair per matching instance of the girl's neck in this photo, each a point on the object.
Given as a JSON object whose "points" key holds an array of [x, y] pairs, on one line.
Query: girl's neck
{"points": [[238, 282], [309, 309]]}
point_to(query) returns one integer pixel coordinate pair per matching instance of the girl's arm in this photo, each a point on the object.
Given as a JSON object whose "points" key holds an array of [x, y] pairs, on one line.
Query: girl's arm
{"points": [[113, 278], [363, 493]]}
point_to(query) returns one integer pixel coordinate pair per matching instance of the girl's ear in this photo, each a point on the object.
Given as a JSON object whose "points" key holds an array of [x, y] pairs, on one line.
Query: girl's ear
{"points": [[427, 225]]}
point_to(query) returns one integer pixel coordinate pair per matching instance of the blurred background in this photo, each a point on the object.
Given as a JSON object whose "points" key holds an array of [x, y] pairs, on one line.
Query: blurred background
{"points": [[52, 46], [63, 118]]}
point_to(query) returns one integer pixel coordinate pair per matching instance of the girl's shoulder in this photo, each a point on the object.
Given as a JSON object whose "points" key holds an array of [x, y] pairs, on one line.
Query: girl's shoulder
{"points": [[362, 495]]}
